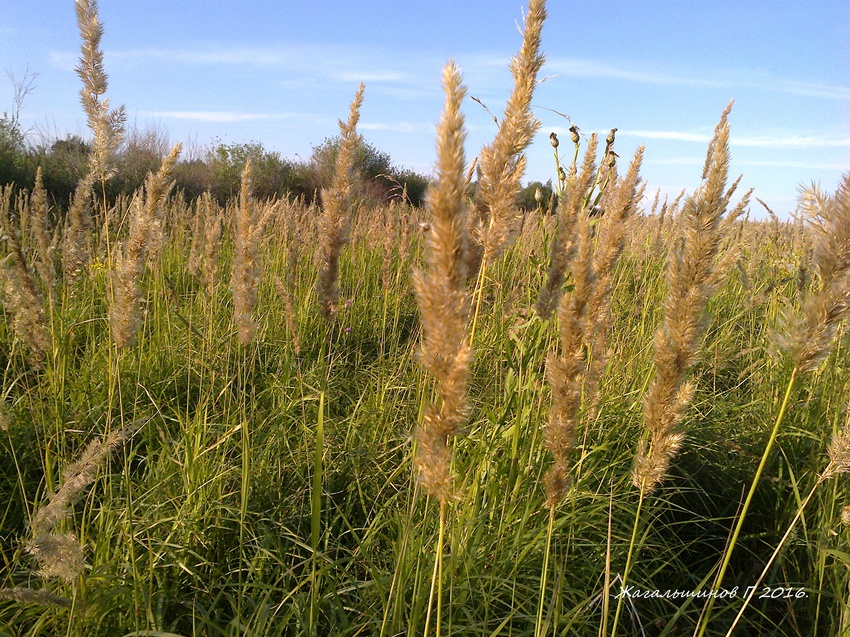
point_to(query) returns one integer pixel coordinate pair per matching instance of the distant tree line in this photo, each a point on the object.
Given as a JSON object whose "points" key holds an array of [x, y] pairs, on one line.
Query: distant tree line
{"points": [[217, 169]]}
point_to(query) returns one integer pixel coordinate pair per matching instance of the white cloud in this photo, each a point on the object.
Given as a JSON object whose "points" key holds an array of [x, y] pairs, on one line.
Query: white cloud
{"points": [[774, 140], [708, 78], [792, 141], [680, 136], [219, 116], [398, 127]]}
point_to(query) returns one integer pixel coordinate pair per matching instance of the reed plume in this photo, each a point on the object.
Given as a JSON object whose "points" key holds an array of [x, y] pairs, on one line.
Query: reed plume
{"points": [[286, 285], [443, 298], [107, 125], [570, 206], [691, 284], [336, 204], [565, 370], [251, 220], [202, 209], [32, 596], [808, 338], [622, 203], [125, 313], [77, 226], [44, 240], [501, 164], [62, 555], [108, 129], [22, 298]]}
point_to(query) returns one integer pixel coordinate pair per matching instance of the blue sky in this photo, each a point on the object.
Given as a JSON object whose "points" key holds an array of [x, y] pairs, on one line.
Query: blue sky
{"points": [[282, 73]]}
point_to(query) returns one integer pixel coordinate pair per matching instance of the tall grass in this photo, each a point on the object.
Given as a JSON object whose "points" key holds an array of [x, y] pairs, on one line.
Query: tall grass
{"points": [[248, 467]]}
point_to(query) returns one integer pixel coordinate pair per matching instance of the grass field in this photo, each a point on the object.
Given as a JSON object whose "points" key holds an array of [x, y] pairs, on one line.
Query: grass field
{"points": [[274, 418]]}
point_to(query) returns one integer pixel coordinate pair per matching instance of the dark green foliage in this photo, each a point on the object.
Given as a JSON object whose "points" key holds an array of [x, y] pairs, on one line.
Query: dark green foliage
{"points": [[15, 166], [380, 180], [271, 175]]}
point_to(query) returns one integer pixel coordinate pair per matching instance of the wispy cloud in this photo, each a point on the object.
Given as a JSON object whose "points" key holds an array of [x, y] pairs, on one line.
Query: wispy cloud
{"points": [[369, 76], [754, 141], [792, 141], [338, 63], [397, 127], [578, 67], [758, 163], [679, 136], [221, 116], [707, 78]]}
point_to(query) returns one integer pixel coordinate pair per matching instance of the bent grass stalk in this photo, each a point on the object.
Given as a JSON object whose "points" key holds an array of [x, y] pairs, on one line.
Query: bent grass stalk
{"points": [[690, 285], [336, 204], [444, 310], [808, 339], [502, 162]]}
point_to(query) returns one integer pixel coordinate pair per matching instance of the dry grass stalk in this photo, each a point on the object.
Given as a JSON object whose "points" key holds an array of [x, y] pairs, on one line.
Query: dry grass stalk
{"points": [[202, 214], [125, 313], [22, 298], [107, 126], [839, 451], [77, 226], [809, 338], [501, 164], [621, 207], [389, 237], [32, 596], [214, 220], [251, 220], [108, 129], [43, 239], [570, 207], [61, 555], [286, 286], [336, 204], [565, 369], [443, 298], [690, 283], [584, 314]]}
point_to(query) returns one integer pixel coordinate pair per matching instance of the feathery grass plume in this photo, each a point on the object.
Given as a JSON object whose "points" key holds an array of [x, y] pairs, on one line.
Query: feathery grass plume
{"points": [[623, 201], [286, 285], [570, 206], [443, 298], [32, 596], [501, 164], [839, 450], [336, 204], [213, 221], [108, 129], [61, 555], [690, 285], [809, 338], [22, 298], [43, 239], [565, 370], [202, 212], [251, 220], [125, 315], [77, 226], [107, 126]]}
